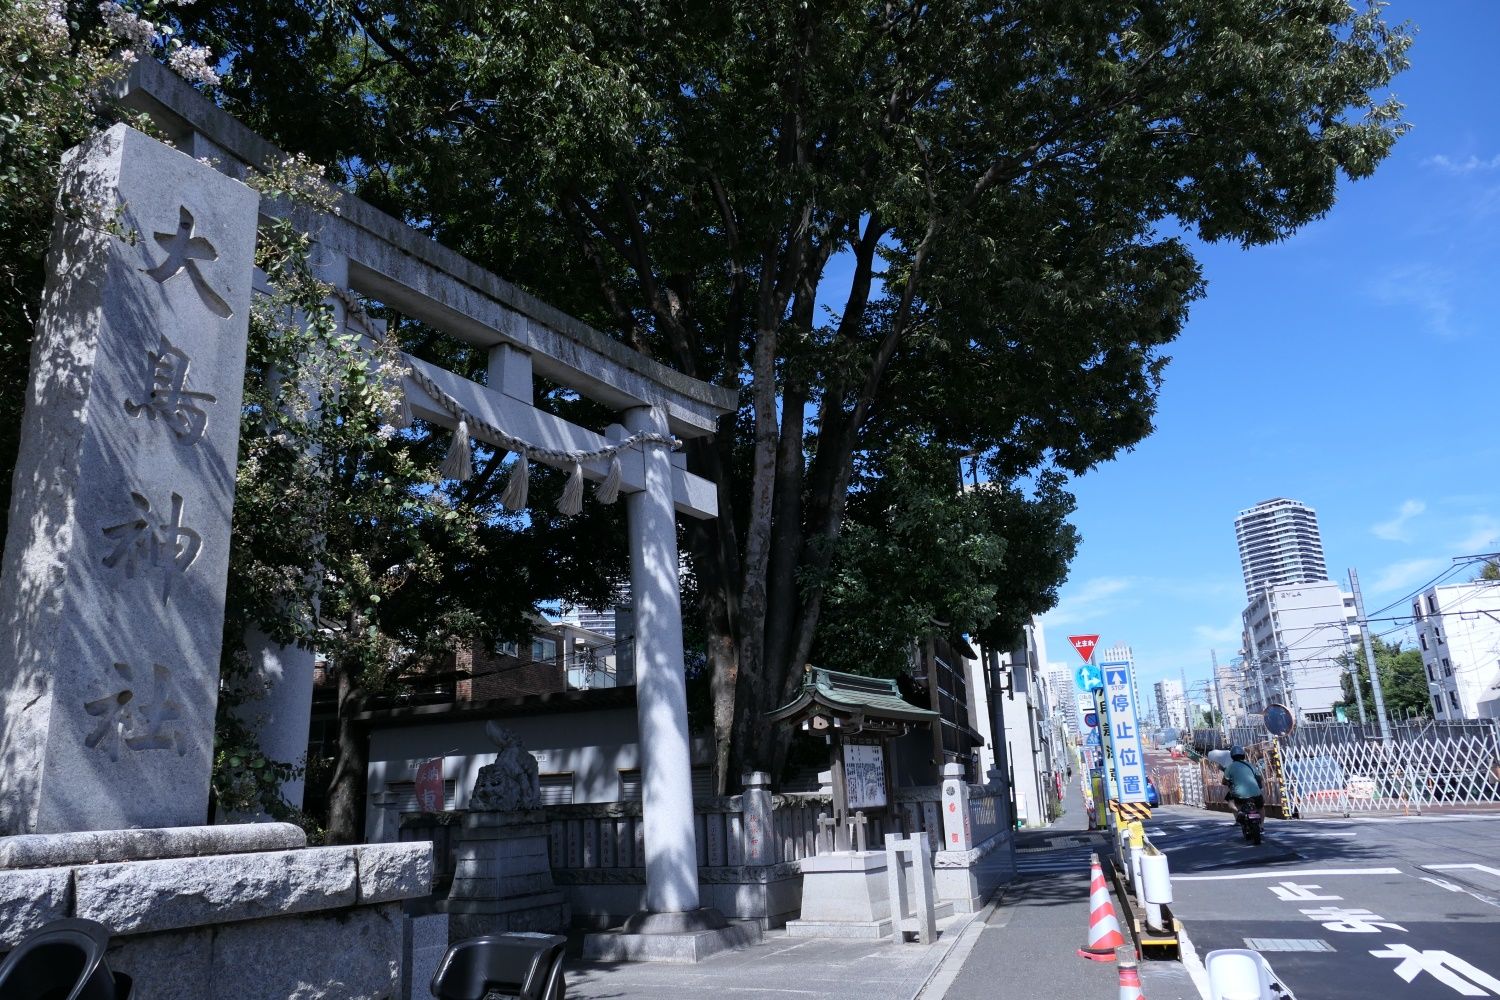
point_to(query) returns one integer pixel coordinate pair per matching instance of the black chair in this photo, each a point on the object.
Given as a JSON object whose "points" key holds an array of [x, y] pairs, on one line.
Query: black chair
{"points": [[63, 961], [528, 966]]}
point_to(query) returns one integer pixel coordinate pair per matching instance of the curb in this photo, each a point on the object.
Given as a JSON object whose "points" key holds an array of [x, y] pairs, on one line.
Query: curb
{"points": [[1188, 955], [951, 962]]}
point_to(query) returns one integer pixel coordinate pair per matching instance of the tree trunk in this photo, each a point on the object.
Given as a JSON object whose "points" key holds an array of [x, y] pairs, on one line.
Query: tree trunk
{"points": [[346, 789]]}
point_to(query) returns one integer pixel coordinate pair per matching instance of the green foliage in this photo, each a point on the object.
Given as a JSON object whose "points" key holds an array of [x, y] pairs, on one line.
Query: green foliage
{"points": [[1403, 681], [1004, 179], [49, 78], [1490, 571], [921, 557]]}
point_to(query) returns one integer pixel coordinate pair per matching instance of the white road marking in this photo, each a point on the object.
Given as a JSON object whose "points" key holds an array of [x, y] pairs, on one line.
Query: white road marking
{"points": [[1448, 868], [1289, 944], [1442, 883], [1286, 874]]}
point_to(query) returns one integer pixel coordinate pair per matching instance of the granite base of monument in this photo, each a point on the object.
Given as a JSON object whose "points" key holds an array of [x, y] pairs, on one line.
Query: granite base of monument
{"points": [[502, 878], [203, 913], [684, 938], [844, 894]]}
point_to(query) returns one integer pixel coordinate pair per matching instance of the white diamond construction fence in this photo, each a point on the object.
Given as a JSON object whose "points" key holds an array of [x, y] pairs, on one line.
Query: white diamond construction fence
{"points": [[1397, 775]]}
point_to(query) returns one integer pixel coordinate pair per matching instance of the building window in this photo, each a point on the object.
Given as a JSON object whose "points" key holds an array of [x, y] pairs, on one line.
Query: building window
{"points": [[405, 793], [557, 789], [1432, 603], [1437, 705], [1430, 675], [543, 650], [1416, 610], [1437, 635], [630, 785], [509, 649], [1447, 670], [1423, 636], [1453, 700]]}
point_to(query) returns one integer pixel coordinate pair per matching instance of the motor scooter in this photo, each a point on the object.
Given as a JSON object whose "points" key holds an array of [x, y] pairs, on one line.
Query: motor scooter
{"points": [[1250, 817]]}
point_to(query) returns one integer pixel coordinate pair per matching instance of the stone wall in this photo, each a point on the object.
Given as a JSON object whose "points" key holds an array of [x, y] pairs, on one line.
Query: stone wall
{"points": [[219, 912]]}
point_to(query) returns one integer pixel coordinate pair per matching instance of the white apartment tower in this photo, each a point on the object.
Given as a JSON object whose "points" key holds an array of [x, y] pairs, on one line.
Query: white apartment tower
{"points": [[1279, 544]]}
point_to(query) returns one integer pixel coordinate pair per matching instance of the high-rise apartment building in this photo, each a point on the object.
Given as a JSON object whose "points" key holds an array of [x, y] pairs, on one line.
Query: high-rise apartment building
{"points": [[1279, 544]]}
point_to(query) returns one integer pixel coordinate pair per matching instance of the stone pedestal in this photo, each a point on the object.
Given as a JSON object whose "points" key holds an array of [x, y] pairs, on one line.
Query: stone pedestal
{"points": [[212, 913], [503, 877], [845, 894]]}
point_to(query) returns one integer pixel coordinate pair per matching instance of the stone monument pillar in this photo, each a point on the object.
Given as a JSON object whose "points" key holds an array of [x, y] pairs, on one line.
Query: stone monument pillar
{"points": [[503, 878], [117, 551]]}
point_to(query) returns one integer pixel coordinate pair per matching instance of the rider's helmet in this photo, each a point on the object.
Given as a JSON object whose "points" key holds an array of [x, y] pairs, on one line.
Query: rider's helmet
{"points": [[1236, 752]]}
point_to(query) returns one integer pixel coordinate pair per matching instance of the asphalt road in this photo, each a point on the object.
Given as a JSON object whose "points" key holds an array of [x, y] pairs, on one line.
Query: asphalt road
{"points": [[1345, 909]]}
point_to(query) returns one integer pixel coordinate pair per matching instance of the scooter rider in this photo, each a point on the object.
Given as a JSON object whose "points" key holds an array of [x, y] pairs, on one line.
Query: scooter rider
{"points": [[1243, 779]]}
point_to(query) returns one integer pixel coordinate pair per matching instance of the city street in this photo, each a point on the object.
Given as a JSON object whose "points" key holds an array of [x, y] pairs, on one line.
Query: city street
{"points": [[1365, 907]]}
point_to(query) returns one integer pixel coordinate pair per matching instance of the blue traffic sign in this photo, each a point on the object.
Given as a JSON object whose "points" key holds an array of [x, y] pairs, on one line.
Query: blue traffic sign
{"points": [[1091, 720], [1089, 678]]}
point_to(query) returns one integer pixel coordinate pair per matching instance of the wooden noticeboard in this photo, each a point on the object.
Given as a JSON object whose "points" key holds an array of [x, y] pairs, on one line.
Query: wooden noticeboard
{"points": [[864, 775]]}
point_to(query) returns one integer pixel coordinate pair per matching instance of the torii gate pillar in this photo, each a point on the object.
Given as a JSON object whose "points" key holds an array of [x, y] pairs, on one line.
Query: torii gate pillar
{"points": [[672, 903]]}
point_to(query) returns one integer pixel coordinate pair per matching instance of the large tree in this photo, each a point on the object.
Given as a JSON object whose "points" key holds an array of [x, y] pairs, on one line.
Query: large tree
{"points": [[1000, 187], [1403, 681], [964, 220]]}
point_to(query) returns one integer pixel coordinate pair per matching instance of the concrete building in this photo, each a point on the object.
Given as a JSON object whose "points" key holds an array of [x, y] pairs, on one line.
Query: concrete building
{"points": [[1458, 631], [1171, 706], [1060, 694], [1231, 694], [1279, 544], [1295, 635], [1029, 751]]}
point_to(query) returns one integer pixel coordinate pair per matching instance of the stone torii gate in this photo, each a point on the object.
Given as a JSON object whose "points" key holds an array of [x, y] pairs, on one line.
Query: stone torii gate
{"points": [[364, 252]]}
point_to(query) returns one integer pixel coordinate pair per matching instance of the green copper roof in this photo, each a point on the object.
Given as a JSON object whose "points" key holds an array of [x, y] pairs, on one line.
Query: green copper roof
{"points": [[873, 698]]}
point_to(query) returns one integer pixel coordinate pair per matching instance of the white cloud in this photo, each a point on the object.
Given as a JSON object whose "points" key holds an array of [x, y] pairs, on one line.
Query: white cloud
{"points": [[1470, 165], [1219, 635], [1406, 575], [1091, 599], [1428, 289], [1394, 530], [1483, 537]]}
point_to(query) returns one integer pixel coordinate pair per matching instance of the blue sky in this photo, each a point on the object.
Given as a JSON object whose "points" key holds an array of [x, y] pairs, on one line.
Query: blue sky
{"points": [[1354, 367]]}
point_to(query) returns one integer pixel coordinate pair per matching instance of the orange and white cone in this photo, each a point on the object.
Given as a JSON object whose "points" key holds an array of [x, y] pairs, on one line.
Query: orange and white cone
{"points": [[1104, 929], [1130, 981]]}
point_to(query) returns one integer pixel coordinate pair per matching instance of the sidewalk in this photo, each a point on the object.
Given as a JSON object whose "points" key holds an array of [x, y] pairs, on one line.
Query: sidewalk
{"points": [[1023, 946], [1027, 946], [780, 965]]}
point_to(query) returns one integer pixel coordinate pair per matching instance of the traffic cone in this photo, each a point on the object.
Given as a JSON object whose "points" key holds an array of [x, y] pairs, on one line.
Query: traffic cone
{"points": [[1104, 929], [1130, 981]]}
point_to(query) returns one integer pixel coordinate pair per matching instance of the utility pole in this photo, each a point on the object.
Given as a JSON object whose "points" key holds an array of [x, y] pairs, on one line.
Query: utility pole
{"points": [[1213, 656], [1187, 705], [1359, 692], [1260, 680], [1364, 632]]}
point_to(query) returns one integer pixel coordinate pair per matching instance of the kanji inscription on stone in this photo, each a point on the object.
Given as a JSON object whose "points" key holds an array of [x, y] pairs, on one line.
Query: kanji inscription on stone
{"points": [[149, 542], [167, 396], [137, 715], [185, 250]]}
